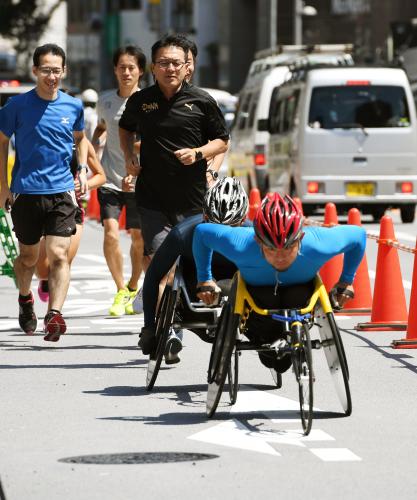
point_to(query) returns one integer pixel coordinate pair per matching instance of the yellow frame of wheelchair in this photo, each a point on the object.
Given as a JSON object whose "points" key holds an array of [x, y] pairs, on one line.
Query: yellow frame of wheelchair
{"points": [[244, 302]]}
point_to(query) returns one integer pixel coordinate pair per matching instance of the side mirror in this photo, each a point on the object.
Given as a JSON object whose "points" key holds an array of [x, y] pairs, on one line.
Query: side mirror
{"points": [[263, 125]]}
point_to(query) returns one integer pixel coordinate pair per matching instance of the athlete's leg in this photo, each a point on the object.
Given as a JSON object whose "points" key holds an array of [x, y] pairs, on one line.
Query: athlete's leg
{"points": [[112, 251], [57, 248], [136, 257], [24, 266], [75, 243], [42, 265]]}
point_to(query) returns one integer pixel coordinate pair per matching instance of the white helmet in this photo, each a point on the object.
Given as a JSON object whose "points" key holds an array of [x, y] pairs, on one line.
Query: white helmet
{"points": [[226, 202], [89, 95]]}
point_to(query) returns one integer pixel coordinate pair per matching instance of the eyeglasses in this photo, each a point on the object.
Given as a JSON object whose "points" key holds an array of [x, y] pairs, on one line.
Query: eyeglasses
{"points": [[166, 64], [48, 71]]}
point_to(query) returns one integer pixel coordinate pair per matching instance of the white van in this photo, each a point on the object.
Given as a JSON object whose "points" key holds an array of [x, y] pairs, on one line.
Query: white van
{"points": [[248, 152], [347, 136], [247, 157]]}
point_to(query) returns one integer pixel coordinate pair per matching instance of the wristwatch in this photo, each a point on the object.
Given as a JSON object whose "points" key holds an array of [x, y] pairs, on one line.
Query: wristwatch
{"points": [[213, 173], [81, 166], [198, 155]]}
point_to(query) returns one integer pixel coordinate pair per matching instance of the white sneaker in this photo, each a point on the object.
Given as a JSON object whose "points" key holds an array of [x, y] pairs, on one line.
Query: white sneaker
{"points": [[173, 347], [138, 302]]}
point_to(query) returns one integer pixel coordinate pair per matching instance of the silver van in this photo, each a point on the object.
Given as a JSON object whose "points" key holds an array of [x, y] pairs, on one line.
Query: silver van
{"points": [[347, 136]]}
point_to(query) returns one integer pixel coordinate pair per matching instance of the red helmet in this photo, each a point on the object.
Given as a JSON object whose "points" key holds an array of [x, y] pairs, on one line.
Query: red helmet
{"points": [[279, 221]]}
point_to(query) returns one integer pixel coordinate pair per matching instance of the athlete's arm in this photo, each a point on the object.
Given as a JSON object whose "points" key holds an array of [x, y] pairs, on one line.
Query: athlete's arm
{"points": [[229, 241], [99, 177], [81, 143], [99, 135], [351, 241], [127, 145], [5, 194], [214, 164], [187, 156]]}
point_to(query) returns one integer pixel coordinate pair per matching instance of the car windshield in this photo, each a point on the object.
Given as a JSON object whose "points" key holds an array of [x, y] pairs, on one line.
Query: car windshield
{"points": [[358, 106]]}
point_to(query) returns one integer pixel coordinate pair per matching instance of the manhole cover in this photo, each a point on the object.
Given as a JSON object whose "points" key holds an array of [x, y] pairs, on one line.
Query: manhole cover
{"points": [[138, 458]]}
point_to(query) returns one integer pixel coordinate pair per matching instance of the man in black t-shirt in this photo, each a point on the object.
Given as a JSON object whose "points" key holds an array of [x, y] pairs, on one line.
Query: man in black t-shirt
{"points": [[180, 126]]}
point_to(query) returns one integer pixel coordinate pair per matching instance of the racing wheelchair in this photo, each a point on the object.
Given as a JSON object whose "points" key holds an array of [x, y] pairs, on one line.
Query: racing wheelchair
{"points": [[180, 309], [299, 345]]}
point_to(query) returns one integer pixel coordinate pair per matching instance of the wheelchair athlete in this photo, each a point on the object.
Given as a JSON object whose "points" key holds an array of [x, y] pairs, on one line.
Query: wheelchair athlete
{"points": [[225, 203], [278, 259]]}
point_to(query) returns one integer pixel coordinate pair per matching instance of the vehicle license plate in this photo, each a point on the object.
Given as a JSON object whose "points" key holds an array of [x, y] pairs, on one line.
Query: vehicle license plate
{"points": [[360, 189]]}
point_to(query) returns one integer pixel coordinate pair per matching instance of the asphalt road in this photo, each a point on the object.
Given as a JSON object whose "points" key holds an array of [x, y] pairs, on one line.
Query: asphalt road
{"points": [[85, 396]]}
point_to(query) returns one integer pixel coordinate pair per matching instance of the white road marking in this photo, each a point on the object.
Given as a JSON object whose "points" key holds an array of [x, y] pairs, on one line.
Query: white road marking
{"points": [[250, 400], [113, 328], [116, 320], [8, 324], [335, 455], [235, 434]]}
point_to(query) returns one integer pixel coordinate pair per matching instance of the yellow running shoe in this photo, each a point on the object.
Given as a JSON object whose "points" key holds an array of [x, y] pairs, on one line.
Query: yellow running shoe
{"points": [[121, 298], [129, 306]]}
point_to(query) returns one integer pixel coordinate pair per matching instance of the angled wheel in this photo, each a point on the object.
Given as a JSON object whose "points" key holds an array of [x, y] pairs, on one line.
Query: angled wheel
{"points": [[303, 369], [163, 323], [336, 357], [342, 388], [221, 352], [233, 377]]}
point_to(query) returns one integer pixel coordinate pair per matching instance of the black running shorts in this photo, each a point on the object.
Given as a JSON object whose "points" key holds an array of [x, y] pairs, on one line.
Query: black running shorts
{"points": [[37, 215], [112, 202]]}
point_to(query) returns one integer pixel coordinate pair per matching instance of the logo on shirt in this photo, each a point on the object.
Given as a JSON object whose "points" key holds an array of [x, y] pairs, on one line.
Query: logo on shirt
{"points": [[148, 107], [190, 106], [65, 120]]}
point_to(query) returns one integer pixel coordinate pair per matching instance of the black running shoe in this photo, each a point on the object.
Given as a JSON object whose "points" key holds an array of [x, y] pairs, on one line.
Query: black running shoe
{"points": [[27, 317], [147, 339]]}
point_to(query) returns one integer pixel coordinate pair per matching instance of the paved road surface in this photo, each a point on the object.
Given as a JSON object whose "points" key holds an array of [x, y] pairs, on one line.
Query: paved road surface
{"points": [[85, 395]]}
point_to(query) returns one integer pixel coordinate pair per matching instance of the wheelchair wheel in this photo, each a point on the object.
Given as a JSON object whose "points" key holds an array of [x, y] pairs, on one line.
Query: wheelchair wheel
{"points": [[163, 323], [336, 358], [233, 377], [303, 369], [343, 388], [221, 353]]}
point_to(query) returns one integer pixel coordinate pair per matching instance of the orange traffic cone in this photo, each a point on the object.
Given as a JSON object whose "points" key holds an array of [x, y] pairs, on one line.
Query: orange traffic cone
{"points": [[362, 302], [122, 218], [331, 271], [93, 206], [410, 342], [389, 309], [254, 202]]}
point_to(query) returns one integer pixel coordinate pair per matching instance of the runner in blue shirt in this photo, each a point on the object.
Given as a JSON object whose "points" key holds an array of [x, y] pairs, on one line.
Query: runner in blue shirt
{"points": [[278, 259], [45, 123]]}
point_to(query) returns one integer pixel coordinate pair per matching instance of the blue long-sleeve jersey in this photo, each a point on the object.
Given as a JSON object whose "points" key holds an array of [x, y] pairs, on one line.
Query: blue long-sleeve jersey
{"points": [[318, 245]]}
